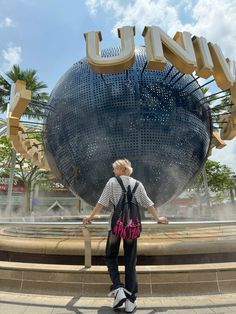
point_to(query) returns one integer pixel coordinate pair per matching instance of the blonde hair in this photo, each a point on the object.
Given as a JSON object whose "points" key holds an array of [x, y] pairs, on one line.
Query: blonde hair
{"points": [[125, 164]]}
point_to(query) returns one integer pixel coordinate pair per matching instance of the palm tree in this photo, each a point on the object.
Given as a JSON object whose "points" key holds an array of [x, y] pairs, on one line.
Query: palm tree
{"points": [[223, 107], [220, 108], [32, 83]]}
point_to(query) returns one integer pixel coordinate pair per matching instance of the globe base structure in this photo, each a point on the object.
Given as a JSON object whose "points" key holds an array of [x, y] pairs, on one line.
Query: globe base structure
{"points": [[194, 258]]}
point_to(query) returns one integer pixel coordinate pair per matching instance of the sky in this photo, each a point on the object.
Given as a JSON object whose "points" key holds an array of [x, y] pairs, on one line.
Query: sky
{"points": [[47, 35]]}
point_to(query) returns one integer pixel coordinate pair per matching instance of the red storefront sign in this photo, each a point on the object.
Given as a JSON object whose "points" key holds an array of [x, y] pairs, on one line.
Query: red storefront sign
{"points": [[182, 201], [18, 186]]}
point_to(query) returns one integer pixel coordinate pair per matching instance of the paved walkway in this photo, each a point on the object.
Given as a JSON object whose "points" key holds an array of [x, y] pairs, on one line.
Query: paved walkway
{"points": [[14, 303]]}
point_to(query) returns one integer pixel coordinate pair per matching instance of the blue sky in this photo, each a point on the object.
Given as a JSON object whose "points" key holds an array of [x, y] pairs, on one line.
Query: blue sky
{"points": [[48, 35]]}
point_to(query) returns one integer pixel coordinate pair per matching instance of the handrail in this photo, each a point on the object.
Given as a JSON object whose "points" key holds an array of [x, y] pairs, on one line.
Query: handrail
{"points": [[102, 224]]}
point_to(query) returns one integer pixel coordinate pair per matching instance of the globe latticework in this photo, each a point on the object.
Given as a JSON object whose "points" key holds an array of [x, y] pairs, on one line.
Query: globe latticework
{"points": [[156, 119]]}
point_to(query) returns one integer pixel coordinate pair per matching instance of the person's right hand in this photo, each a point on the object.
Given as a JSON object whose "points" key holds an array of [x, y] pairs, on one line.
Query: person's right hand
{"points": [[163, 220]]}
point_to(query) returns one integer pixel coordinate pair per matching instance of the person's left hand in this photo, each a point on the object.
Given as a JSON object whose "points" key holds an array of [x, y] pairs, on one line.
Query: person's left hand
{"points": [[163, 220], [87, 220]]}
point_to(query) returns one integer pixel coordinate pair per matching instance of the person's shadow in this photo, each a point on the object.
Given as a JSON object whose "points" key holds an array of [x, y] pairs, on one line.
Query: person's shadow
{"points": [[109, 310], [71, 306]]}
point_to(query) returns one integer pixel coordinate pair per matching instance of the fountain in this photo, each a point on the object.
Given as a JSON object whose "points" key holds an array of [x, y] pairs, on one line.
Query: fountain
{"points": [[162, 122]]}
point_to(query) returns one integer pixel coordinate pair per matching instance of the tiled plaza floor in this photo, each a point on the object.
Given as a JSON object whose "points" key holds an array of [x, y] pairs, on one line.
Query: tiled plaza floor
{"points": [[14, 303]]}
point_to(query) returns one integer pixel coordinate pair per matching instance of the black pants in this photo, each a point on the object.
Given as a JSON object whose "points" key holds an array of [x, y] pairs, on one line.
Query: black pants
{"points": [[130, 257]]}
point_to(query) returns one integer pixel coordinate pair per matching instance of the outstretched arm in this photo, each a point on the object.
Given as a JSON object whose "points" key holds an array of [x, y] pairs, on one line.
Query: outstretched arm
{"points": [[95, 211], [102, 202], [160, 220]]}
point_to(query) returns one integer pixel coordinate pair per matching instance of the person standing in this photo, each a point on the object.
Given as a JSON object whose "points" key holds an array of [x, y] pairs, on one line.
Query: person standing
{"points": [[111, 194]]}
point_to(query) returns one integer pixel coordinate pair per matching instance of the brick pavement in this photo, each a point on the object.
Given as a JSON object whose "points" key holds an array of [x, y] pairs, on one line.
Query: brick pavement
{"points": [[15, 303]]}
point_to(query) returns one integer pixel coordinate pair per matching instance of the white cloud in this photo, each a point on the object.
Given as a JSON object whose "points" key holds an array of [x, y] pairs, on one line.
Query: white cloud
{"points": [[149, 12], [6, 22], [138, 13], [92, 6], [214, 20], [11, 56]]}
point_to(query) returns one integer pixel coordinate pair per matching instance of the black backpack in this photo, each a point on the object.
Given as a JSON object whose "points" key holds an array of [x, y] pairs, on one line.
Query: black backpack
{"points": [[126, 222]]}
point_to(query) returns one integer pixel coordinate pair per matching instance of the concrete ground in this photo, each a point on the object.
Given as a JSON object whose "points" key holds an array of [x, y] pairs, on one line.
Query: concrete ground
{"points": [[15, 303]]}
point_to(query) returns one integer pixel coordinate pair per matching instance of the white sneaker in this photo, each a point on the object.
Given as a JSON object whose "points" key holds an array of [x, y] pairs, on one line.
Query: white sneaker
{"points": [[119, 297], [130, 306]]}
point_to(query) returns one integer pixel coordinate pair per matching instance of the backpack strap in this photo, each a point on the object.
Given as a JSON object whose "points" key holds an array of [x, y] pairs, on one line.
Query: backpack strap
{"points": [[121, 184], [135, 187]]}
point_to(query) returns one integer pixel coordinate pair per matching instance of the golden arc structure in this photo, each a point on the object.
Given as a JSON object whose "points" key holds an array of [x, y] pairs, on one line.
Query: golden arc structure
{"points": [[31, 149]]}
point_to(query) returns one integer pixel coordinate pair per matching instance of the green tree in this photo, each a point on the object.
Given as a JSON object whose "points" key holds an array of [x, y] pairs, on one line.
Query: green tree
{"points": [[220, 109], [219, 178], [32, 83], [220, 105], [5, 152], [27, 172]]}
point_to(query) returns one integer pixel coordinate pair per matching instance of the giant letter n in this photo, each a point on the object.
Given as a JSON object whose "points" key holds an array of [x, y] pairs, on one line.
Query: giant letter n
{"points": [[161, 47]]}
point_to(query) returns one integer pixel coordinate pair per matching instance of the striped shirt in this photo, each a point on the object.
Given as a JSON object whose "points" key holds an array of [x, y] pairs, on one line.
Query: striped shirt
{"points": [[112, 193]]}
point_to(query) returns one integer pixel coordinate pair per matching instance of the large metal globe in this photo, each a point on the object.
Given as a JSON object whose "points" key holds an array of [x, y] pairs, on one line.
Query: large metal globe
{"points": [[156, 119]]}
